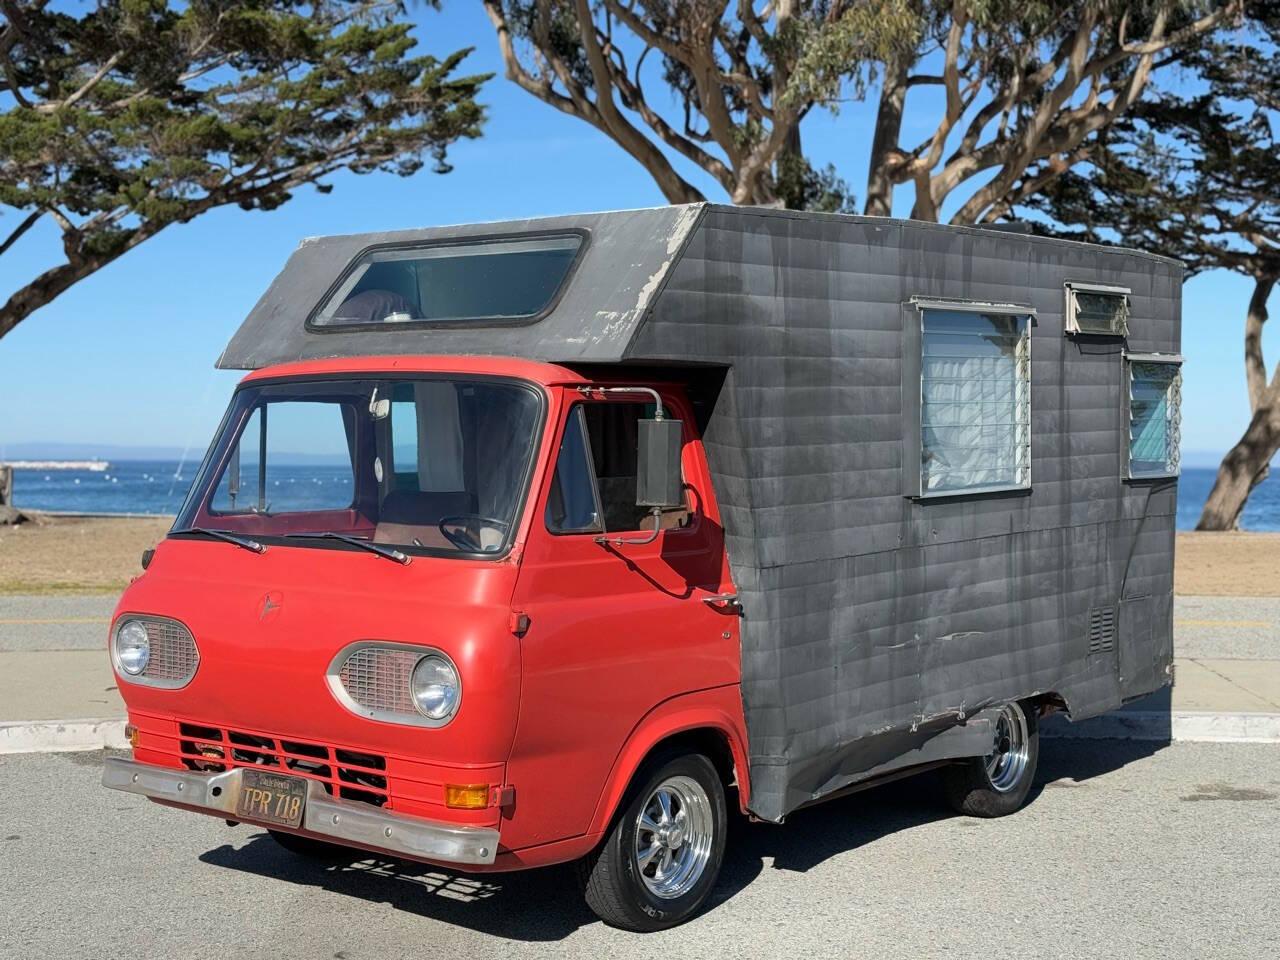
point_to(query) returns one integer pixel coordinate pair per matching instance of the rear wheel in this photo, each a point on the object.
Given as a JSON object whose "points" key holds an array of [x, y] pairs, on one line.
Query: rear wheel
{"points": [[313, 849], [659, 862], [997, 784]]}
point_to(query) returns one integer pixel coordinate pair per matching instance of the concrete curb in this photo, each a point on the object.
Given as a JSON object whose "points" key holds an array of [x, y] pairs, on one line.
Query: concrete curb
{"points": [[61, 736], [1195, 726]]}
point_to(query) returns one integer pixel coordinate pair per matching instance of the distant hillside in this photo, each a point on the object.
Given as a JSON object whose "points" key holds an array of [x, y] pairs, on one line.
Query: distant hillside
{"points": [[90, 451], [118, 453]]}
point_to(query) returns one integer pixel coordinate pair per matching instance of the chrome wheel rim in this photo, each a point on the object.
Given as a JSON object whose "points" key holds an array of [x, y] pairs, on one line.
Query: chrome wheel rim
{"points": [[1007, 761], [674, 831]]}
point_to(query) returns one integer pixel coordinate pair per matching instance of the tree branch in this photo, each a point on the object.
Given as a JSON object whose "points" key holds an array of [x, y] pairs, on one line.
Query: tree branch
{"points": [[23, 227]]}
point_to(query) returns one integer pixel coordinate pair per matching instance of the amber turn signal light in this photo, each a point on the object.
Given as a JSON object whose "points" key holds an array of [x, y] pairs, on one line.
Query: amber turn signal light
{"points": [[131, 732], [466, 796]]}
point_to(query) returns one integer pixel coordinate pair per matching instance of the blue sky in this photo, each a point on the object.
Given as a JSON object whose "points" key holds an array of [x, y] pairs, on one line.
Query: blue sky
{"points": [[126, 357]]}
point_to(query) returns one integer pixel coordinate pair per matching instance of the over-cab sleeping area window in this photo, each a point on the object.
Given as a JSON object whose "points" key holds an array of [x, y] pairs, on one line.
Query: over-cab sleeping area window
{"points": [[975, 400], [505, 279]]}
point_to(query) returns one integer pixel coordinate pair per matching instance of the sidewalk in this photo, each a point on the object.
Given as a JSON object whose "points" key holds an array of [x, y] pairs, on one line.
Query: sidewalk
{"points": [[57, 691]]}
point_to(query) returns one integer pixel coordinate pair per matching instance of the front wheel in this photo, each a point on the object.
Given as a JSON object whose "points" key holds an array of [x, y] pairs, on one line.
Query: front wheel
{"points": [[659, 862], [997, 784]]}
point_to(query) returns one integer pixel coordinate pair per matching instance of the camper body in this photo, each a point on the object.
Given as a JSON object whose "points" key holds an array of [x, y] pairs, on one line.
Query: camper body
{"points": [[534, 542]]}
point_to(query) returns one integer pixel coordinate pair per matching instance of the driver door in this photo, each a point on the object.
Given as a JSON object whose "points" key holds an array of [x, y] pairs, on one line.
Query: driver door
{"points": [[614, 630]]}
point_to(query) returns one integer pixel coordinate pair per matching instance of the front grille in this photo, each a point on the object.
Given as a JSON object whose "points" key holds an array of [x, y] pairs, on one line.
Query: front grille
{"points": [[378, 678], [348, 774]]}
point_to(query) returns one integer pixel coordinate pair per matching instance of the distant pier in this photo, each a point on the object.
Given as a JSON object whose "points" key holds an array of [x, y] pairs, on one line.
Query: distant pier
{"points": [[96, 466]]}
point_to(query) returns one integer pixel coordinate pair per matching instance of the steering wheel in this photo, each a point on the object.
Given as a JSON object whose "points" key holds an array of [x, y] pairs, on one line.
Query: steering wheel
{"points": [[461, 538]]}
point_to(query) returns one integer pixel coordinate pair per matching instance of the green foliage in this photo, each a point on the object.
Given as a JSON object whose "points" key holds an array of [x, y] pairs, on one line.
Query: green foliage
{"points": [[805, 187], [136, 114], [742, 80], [1193, 174], [1013, 86]]}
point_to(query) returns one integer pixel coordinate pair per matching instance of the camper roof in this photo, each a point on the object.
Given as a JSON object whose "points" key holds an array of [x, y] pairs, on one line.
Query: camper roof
{"points": [[572, 289]]}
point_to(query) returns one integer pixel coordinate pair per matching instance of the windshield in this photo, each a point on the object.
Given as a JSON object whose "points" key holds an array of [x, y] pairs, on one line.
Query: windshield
{"points": [[425, 464]]}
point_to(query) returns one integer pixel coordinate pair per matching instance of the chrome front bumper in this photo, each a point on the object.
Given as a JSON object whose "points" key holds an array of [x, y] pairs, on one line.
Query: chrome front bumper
{"points": [[340, 820]]}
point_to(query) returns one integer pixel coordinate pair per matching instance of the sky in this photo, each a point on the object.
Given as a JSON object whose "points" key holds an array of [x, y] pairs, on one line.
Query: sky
{"points": [[125, 358]]}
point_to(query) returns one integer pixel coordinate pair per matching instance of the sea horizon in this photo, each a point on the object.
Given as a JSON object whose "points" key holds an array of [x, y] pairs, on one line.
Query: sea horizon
{"points": [[159, 486]]}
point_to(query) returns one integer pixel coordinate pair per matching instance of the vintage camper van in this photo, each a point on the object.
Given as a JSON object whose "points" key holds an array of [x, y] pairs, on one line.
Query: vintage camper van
{"points": [[551, 540]]}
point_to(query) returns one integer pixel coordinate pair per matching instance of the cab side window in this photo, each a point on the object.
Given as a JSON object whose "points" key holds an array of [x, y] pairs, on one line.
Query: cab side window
{"points": [[612, 429], [594, 487]]}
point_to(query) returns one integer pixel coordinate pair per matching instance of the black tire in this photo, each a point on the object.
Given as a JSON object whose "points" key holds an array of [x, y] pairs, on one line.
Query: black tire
{"points": [[318, 850], [968, 785], [611, 876]]}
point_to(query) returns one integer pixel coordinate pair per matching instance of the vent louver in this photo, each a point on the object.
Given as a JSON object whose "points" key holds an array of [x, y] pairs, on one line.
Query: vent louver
{"points": [[1102, 629]]}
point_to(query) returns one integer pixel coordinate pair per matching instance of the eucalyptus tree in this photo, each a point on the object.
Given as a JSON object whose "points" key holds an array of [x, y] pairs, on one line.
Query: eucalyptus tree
{"points": [[1020, 84], [125, 117]]}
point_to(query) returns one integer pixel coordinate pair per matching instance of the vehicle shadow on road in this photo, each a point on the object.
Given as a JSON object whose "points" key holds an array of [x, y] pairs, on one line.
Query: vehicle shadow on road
{"points": [[532, 905], [545, 904]]}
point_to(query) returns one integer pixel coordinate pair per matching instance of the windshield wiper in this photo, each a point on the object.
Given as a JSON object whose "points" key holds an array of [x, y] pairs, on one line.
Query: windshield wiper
{"points": [[386, 552], [227, 537]]}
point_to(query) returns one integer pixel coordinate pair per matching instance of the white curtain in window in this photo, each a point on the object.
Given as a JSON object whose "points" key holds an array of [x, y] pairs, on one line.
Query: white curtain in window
{"points": [[439, 437], [975, 401]]}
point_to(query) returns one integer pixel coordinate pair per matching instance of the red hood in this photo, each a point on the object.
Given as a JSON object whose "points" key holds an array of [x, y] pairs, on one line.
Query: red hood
{"points": [[262, 665]]}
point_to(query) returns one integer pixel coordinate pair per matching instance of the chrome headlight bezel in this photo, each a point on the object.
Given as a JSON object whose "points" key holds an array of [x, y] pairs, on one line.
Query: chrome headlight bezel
{"points": [[411, 656], [165, 652]]}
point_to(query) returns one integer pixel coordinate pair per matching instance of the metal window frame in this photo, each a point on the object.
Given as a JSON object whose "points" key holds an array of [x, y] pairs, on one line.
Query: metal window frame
{"points": [[1175, 431], [576, 414], [913, 393], [1070, 322]]}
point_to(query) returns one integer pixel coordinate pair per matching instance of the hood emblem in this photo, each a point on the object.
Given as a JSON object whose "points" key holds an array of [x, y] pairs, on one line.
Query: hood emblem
{"points": [[270, 608]]}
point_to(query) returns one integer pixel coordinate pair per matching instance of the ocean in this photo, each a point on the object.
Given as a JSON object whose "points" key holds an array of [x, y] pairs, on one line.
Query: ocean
{"points": [[159, 486]]}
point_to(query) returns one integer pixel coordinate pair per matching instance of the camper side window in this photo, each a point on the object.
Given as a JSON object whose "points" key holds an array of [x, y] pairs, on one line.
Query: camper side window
{"points": [[1155, 418], [1097, 310], [975, 401]]}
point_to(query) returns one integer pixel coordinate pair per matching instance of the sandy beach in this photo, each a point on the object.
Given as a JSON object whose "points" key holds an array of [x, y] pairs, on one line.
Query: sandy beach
{"points": [[63, 555]]}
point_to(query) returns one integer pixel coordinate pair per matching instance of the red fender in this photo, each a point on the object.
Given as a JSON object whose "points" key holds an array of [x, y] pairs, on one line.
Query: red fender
{"points": [[718, 709]]}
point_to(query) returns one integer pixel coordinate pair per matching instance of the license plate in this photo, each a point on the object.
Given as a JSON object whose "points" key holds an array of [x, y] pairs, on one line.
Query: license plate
{"points": [[271, 798]]}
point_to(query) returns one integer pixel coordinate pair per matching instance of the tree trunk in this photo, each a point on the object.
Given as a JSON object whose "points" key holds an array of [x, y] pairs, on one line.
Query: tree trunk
{"points": [[1243, 468], [1247, 463], [884, 142]]}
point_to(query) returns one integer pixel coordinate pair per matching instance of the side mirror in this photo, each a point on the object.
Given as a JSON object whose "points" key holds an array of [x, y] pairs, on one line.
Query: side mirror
{"points": [[658, 479]]}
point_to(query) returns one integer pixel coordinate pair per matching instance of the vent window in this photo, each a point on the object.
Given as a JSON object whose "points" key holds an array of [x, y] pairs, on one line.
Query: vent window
{"points": [[1097, 310]]}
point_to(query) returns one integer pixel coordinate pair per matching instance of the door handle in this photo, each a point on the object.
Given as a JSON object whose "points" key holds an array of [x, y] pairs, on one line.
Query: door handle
{"points": [[727, 599]]}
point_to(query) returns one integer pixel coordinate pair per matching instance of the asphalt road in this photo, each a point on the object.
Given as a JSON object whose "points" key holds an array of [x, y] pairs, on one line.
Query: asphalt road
{"points": [[1126, 850]]}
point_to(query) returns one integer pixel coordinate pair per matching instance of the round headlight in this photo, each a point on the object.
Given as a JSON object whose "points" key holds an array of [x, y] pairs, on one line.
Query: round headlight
{"points": [[133, 647], [435, 688]]}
